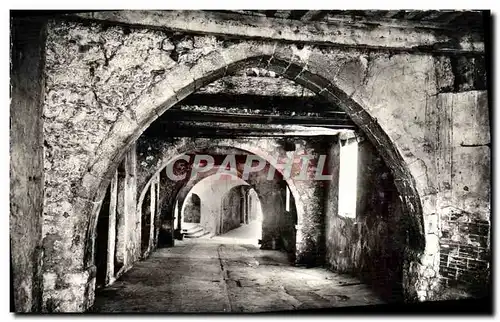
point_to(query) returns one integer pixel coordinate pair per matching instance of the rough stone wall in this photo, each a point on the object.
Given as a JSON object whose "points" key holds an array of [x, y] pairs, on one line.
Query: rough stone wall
{"points": [[310, 229], [371, 245], [104, 85], [430, 144], [93, 74], [383, 227], [273, 209], [128, 219], [464, 144], [26, 163]]}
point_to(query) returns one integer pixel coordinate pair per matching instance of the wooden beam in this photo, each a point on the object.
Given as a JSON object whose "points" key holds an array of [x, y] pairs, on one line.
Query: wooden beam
{"points": [[261, 86], [433, 15], [211, 129], [398, 18], [307, 104], [449, 16], [412, 14], [313, 15], [398, 37], [393, 13], [283, 14], [270, 13], [250, 12], [267, 110]]}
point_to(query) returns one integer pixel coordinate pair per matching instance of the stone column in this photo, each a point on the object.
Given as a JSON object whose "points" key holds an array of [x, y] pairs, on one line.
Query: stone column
{"points": [[310, 242], [134, 221], [121, 217]]}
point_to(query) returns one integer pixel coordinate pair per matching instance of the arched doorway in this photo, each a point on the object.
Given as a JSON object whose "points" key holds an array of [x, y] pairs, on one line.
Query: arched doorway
{"points": [[178, 190], [190, 212]]}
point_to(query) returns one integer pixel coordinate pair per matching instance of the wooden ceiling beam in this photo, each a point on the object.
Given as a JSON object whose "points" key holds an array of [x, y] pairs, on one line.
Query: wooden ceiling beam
{"points": [[334, 33], [283, 14], [314, 15], [217, 129], [255, 119], [260, 86]]}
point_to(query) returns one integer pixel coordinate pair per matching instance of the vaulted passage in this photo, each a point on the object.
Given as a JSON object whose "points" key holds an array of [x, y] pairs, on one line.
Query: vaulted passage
{"points": [[223, 275], [203, 162]]}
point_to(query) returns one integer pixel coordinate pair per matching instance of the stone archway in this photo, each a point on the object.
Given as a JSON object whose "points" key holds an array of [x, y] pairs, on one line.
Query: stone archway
{"points": [[180, 189], [213, 217], [284, 60], [182, 148], [233, 213], [193, 205]]}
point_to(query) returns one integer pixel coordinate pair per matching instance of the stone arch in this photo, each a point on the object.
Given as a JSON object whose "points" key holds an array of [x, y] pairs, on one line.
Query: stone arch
{"points": [[208, 146], [184, 191], [171, 154], [180, 186], [300, 65], [194, 202], [235, 181]]}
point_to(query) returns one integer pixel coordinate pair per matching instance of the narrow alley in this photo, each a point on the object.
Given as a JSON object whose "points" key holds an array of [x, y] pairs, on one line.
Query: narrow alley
{"points": [[225, 274]]}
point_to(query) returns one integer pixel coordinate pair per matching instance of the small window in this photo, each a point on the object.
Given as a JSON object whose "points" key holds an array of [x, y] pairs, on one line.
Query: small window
{"points": [[348, 178], [287, 200]]}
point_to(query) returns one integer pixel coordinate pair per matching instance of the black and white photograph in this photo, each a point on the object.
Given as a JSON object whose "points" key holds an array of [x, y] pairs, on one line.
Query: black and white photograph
{"points": [[285, 161]]}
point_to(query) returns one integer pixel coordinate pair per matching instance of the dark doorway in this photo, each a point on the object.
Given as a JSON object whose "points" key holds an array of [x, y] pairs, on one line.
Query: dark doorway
{"points": [[192, 209], [120, 216], [146, 222]]}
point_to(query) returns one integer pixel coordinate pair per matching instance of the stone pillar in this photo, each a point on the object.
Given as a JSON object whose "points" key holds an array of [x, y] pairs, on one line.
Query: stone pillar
{"points": [[331, 201], [154, 185], [121, 217], [134, 218], [273, 209], [310, 228], [110, 270], [127, 221]]}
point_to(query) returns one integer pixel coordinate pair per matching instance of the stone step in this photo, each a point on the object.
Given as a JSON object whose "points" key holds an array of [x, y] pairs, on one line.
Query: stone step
{"points": [[197, 235], [192, 230]]}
